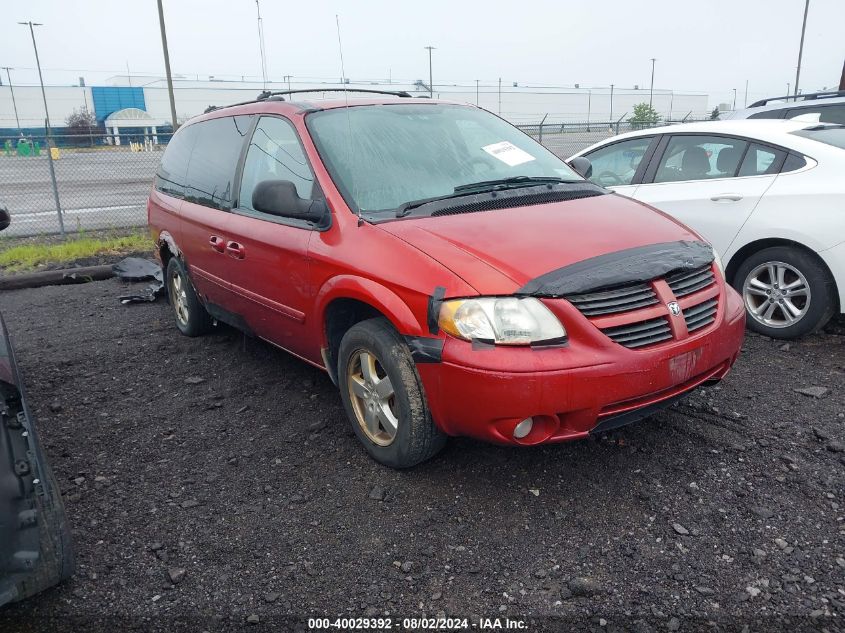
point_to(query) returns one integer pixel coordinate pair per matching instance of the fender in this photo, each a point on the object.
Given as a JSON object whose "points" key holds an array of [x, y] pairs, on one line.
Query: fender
{"points": [[166, 238], [370, 292]]}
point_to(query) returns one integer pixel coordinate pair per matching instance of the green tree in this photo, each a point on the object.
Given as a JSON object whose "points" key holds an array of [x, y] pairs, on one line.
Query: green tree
{"points": [[715, 114], [81, 122], [644, 116]]}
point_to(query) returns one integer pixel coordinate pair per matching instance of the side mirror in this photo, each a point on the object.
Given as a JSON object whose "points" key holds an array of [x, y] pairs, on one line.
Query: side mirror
{"points": [[279, 197], [582, 166], [5, 218]]}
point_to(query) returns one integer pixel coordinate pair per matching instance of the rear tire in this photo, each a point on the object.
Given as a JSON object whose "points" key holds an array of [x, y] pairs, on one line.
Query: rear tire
{"points": [[787, 291], [383, 396], [190, 315]]}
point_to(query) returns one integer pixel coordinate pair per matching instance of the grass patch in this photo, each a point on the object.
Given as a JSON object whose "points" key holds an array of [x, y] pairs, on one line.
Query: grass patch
{"points": [[25, 257]]}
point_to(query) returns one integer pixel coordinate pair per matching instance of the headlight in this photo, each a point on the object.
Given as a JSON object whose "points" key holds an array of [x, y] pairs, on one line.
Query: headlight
{"points": [[718, 261], [501, 320]]}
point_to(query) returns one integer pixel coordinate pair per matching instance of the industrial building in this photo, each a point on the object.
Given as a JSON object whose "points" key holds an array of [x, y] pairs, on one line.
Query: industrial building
{"points": [[147, 106]]}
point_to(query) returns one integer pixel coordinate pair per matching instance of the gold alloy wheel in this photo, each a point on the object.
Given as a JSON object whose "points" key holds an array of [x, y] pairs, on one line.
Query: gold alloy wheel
{"points": [[372, 396], [179, 298]]}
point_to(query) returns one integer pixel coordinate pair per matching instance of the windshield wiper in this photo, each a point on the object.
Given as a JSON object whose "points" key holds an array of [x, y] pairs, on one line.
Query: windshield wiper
{"points": [[510, 183], [485, 185]]}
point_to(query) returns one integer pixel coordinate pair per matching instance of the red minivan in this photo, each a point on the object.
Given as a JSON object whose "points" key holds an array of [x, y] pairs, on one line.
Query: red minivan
{"points": [[450, 274]]}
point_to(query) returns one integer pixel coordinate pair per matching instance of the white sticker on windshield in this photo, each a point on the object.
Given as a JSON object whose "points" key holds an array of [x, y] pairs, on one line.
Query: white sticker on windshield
{"points": [[508, 153]]}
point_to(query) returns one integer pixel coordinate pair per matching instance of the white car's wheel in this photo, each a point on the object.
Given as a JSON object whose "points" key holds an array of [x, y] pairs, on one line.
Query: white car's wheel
{"points": [[787, 292]]}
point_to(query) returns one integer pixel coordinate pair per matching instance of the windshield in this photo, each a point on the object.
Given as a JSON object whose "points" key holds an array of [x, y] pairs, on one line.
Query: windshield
{"points": [[831, 135], [383, 157]]}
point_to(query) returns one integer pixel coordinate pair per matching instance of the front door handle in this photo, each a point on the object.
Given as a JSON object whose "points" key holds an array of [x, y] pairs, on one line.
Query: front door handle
{"points": [[727, 197], [235, 250], [217, 243]]}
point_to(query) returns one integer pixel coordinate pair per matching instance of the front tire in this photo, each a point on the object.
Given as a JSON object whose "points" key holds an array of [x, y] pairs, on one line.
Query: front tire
{"points": [[787, 291], [383, 396], [190, 315]]}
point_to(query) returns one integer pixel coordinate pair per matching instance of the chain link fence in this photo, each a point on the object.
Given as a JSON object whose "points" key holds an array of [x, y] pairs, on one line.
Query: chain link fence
{"points": [[85, 182], [102, 180]]}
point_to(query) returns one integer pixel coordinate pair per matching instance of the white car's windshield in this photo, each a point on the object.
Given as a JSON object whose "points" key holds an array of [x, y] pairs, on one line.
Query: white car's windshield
{"points": [[385, 156]]}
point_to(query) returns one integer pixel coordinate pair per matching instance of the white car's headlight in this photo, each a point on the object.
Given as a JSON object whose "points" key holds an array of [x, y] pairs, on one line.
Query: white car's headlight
{"points": [[501, 320]]}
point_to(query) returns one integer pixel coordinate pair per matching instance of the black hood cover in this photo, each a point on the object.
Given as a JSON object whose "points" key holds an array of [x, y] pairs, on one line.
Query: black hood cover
{"points": [[634, 265]]}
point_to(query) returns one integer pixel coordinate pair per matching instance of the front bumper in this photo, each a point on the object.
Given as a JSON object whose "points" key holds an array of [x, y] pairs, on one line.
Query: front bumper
{"points": [[591, 384]]}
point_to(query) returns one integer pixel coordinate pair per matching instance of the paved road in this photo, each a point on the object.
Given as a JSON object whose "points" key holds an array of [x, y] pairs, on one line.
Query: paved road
{"points": [[97, 190]]}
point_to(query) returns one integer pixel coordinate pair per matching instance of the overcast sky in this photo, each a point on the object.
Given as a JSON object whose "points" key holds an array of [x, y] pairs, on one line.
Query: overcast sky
{"points": [[709, 46]]}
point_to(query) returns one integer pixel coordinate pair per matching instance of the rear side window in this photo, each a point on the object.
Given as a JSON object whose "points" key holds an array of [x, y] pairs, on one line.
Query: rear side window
{"points": [[792, 163], [170, 176], [819, 114], [700, 158], [760, 160], [211, 170]]}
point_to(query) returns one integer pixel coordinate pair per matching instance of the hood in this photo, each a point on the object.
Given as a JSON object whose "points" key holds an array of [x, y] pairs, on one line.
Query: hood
{"points": [[497, 252]]}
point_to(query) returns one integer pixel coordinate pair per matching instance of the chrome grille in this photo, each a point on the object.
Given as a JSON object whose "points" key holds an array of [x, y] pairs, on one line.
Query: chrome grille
{"points": [[613, 301], [701, 315], [690, 281], [640, 334]]}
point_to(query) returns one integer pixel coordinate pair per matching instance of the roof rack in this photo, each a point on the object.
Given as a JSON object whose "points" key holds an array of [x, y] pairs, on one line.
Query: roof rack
{"points": [[810, 96], [279, 94]]}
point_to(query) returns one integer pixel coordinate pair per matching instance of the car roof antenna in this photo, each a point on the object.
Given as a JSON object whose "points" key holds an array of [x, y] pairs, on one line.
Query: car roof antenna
{"points": [[348, 118]]}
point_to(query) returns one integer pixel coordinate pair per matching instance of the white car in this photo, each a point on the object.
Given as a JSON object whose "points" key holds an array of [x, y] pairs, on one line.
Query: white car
{"points": [[768, 194]]}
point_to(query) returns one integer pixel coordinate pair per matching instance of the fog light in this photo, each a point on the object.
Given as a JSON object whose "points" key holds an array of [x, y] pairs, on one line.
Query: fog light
{"points": [[523, 428]]}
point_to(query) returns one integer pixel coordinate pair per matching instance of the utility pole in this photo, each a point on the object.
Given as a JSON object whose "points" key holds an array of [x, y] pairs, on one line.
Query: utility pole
{"points": [[611, 103], [500, 96], [651, 90], [167, 66], [801, 46], [14, 105], [32, 26], [430, 79]]}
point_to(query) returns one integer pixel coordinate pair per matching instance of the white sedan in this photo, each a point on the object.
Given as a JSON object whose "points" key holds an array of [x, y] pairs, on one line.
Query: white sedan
{"points": [[768, 194]]}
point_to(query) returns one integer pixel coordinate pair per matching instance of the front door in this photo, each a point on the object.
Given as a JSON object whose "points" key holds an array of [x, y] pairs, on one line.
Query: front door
{"points": [[268, 254]]}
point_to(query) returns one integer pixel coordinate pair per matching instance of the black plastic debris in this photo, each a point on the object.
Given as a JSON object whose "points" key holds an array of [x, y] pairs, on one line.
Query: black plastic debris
{"points": [[139, 269]]}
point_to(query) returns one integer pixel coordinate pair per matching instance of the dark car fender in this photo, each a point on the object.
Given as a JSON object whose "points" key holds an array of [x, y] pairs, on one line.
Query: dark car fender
{"points": [[35, 545]]}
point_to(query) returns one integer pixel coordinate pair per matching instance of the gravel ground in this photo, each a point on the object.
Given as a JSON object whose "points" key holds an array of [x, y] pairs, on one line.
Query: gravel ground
{"points": [[215, 482]]}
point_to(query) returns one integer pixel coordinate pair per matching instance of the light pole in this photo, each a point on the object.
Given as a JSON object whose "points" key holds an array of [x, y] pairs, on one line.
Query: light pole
{"points": [[734, 107], [261, 47], [476, 92], [746, 94], [32, 26], [500, 96], [651, 90], [430, 80], [14, 105], [801, 46], [611, 102], [287, 78], [167, 66]]}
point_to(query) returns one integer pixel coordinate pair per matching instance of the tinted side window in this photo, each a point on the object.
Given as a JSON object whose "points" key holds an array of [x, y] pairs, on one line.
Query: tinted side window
{"points": [[616, 164], [700, 158], [211, 171], [760, 160], [792, 163], [275, 154], [170, 175]]}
